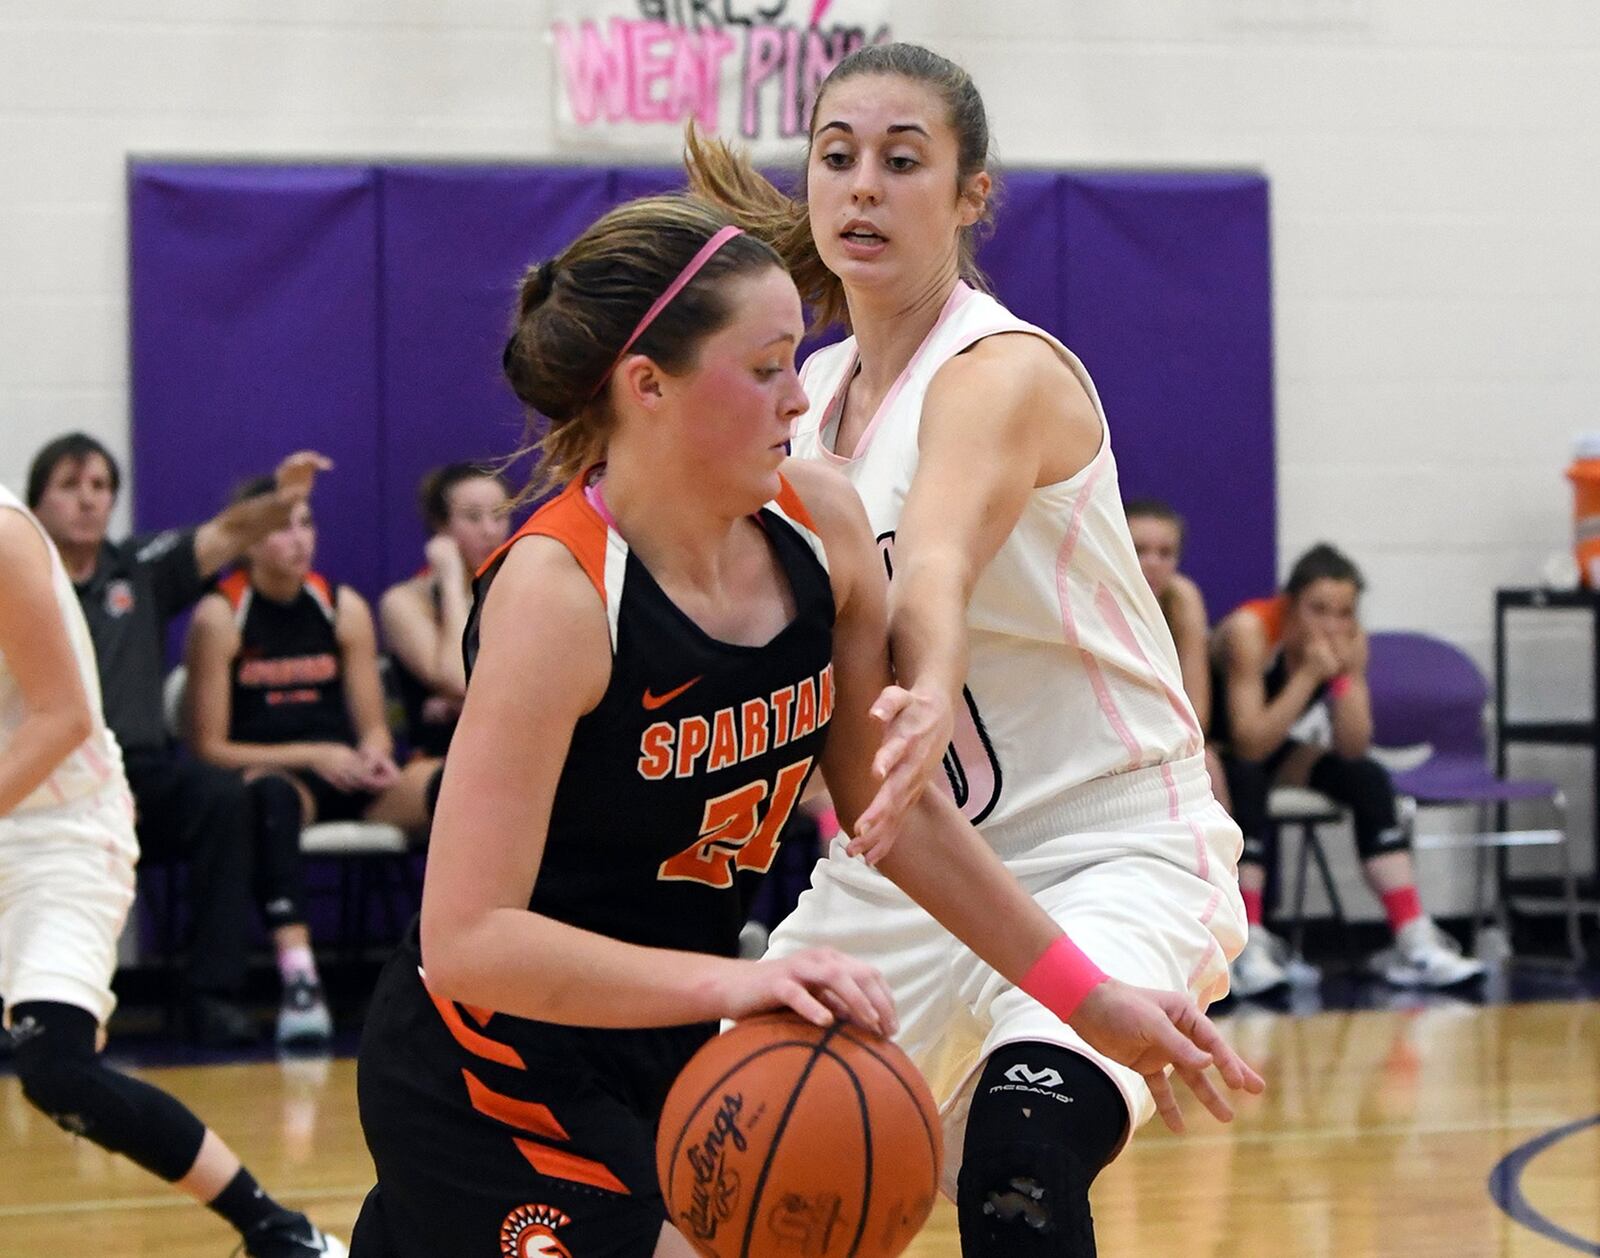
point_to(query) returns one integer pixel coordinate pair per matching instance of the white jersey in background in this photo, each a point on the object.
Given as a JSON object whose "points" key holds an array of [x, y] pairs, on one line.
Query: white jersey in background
{"points": [[97, 761], [1073, 675]]}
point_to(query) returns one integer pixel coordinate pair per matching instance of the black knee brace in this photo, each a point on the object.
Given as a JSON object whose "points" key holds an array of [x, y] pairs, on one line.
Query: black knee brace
{"points": [[1044, 1122], [1363, 786], [65, 1078], [279, 876]]}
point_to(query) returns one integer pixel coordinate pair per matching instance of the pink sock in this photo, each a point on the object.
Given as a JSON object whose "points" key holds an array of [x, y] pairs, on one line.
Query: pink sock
{"points": [[1252, 906], [1403, 906], [297, 962]]}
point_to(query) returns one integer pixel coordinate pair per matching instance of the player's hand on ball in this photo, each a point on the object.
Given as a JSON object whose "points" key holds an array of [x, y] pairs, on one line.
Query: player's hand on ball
{"points": [[1148, 1030], [916, 733], [821, 985]]}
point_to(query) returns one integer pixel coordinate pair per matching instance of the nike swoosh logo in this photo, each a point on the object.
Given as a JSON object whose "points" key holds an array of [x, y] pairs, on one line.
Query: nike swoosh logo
{"points": [[652, 702]]}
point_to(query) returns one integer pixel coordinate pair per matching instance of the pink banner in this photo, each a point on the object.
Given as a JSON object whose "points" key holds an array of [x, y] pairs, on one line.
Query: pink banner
{"points": [[630, 76]]}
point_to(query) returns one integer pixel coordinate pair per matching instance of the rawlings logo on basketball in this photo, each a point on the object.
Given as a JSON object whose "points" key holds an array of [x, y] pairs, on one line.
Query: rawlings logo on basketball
{"points": [[716, 1186], [805, 1224], [530, 1232]]}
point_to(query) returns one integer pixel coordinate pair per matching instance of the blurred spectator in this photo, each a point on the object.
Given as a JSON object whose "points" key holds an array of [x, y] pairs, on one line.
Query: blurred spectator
{"points": [[1158, 535], [423, 616], [284, 685], [129, 591], [1287, 664]]}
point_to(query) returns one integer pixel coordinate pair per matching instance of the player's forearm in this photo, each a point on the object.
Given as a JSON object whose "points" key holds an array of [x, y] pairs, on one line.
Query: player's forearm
{"points": [[943, 864], [928, 628], [1352, 718], [232, 531], [39, 744], [1258, 739], [227, 754], [532, 966], [449, 669]]}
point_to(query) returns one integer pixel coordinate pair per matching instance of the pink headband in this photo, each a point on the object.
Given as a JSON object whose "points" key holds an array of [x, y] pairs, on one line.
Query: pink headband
{"points": [[673, 289]]}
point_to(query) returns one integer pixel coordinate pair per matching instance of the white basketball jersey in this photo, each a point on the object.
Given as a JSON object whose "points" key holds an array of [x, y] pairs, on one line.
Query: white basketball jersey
{"points": [[1073, 673], [97, 761]]}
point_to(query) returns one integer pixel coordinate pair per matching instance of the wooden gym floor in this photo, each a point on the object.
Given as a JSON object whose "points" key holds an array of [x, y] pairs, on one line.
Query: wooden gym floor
{"points": [[1384, 1132]]}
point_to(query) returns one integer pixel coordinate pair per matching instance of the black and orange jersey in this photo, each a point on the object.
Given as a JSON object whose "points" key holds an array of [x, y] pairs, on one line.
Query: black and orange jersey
{"points": [[679, 782], [1270, 612], [288, 678]]}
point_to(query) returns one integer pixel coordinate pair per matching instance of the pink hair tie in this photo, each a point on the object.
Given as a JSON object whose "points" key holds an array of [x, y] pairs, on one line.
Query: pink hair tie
{"points": [[1339, 686], [1061, 978], [688, 273]]}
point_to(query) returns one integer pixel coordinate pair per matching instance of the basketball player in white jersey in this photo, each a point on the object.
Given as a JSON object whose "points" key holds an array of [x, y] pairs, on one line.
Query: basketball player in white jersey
{"points": [[1025, 638], [67, 852]]}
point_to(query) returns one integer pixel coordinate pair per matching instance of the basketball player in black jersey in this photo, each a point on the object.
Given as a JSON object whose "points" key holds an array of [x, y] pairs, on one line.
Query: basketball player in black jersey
{"points": [[284, 686], [658, 660]]}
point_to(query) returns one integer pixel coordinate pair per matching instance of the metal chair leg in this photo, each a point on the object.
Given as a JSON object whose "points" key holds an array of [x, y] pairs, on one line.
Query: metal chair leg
{"points": [[1298, 938], [1570, 886], [1314, 845], [1480, 879]]}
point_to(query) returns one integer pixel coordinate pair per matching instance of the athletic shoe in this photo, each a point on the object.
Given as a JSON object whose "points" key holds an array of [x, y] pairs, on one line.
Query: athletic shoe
{"points": [[1257, 970], [303, 1017], [1424, 956], [291, 1235]]}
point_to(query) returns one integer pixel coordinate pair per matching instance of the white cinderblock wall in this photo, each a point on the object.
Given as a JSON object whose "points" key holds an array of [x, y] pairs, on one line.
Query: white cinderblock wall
{"points": [[1435, 171]]}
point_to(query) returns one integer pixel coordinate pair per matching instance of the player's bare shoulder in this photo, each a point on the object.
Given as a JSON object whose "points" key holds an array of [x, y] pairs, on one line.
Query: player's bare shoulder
{"points": [[1187, 598], [838, 516], [1240, 640], [828, 497]]}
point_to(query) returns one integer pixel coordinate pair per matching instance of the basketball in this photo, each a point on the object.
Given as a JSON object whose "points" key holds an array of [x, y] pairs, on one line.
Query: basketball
{"points": [[784, 1138]]}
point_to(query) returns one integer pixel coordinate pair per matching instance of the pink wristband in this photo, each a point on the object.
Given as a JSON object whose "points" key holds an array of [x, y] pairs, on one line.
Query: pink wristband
{"points": [[1061, 977], [1339, 686]]}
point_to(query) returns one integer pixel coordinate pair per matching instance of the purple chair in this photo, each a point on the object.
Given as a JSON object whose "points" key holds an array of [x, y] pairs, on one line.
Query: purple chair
{"points": [[1428, 693]]}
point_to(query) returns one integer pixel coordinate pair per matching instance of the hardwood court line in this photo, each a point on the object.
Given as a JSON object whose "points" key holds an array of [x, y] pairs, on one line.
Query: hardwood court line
{"points": [[1505, 1187], [1540, 1121], [172, 1200]]}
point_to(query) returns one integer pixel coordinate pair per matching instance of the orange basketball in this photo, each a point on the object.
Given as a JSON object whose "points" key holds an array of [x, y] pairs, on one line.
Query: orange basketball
{"points": [[781, 1139]]}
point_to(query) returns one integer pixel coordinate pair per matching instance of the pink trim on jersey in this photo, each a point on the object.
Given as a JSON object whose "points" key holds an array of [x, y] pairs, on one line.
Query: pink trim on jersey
{"points": [[1210, 910], [1205, 962], [597, 500], [1202, 851], [1069, 627], [1111, 612], [1171, 783], [98, 764], [958, 298]]}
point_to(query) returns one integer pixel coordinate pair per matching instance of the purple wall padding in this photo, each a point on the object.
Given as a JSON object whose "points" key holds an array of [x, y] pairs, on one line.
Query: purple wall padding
{"points": [[1167, 297], [456, 240], [1016, 253], [363, 311], [254, 293]]}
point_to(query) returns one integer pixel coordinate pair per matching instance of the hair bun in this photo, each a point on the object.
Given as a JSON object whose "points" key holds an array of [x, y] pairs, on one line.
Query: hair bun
{"points": [[537, 286]]}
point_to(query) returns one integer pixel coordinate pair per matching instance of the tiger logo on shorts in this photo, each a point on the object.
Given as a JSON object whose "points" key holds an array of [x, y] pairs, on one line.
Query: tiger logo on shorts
{"points": [[530, 1232]]}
